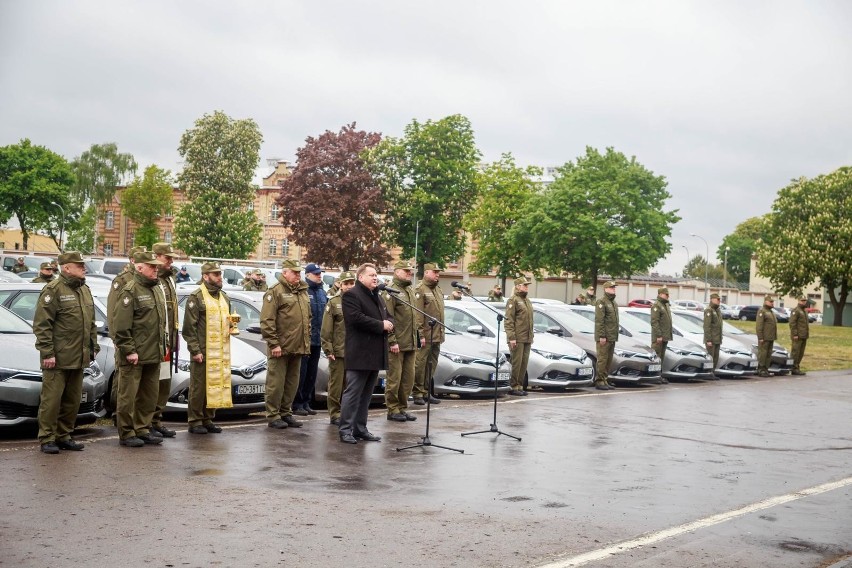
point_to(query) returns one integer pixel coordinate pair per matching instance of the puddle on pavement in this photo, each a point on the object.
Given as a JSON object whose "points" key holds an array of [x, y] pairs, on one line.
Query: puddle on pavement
{"points": [[207, 471]]}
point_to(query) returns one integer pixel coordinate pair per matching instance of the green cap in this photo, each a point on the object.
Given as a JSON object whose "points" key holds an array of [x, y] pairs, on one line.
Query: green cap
{"points": [[146, 258], [163, 248], [132, 254], [610, 284], [291, 264], [45, 265], [521, 280], [208, 267], [72, 256], [715, 296], [405, 265], [346, 276], [662, 290], [769, 299], [432, 266]]}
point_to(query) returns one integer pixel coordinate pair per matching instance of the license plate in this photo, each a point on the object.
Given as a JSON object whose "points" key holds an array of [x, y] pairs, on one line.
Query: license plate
{"points": [[502, 376], [585, 372], [789, 362], [655, 368], [251, 389], [85, 397], [708, 365]]}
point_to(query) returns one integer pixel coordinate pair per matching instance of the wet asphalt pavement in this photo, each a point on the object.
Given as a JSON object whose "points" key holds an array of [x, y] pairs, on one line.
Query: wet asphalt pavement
{"points": [[754, 472]]}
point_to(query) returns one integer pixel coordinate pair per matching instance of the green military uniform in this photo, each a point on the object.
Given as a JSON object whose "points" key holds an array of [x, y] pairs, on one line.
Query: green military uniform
{"points": [[428, 297], [252, 285], [140, 323], [661, 324], [606, 326], [519, 328], [195, 335], [401, 365], [167, 284], [799, 332], [767, 333], [20, 266], [713, 330], [45, 278], [333, 340], [495, 294], [118, 284], [285, 322], [64, 326]]}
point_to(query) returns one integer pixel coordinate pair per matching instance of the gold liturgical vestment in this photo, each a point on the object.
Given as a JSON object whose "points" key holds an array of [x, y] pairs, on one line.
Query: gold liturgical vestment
{"points": [[217, 351]]}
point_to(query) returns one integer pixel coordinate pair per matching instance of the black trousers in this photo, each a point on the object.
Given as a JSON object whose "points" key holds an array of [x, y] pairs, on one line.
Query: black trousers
{"points": [[356, 401]]}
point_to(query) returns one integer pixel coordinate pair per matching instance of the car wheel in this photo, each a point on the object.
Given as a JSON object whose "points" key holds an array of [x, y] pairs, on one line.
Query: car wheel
{"points": [[743, 318]]}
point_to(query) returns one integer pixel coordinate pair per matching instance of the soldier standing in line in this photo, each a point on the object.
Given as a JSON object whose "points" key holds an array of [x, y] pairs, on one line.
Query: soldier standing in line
{"points": [[66, 338], [166, 275], [333, 337], [519, 333], [254, 283], [45, 273], [713, 329], [767, 333], [20, 266], [661, 325], [207, 332], [799, 332], [141, 337], [428, 297], [495, 294], [403, 343], [606, 333], [590, 295], [285, 324]]}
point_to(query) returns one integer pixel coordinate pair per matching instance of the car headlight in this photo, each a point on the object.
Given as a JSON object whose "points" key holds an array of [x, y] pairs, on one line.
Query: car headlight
{"points": [[6, 374], [93, 370], [624, 353], [458, 358], [547, 354], [681, 352]]}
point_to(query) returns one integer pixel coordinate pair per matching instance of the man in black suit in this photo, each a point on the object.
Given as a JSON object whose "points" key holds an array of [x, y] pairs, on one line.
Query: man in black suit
{"points": [[367, 323]]}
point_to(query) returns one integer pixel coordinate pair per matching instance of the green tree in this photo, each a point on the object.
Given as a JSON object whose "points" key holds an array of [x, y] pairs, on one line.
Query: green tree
{"points": [[428, 178], [695, 269], [145, 200], [806, 238], [220, 156], [604, 213], [79, 233], [32, 180], [504, 189], [742, 243], [331, 203]]}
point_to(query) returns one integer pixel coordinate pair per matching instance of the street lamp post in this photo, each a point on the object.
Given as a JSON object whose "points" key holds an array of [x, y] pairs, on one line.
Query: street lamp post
{"points": [[725, 276], [706, 264], [62, 226], [687, 253]]}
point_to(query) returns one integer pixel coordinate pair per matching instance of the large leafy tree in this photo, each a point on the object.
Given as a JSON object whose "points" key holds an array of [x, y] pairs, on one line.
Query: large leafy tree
{"points": [[145, 200], [695, 269], [504, 189], [331, 203], [428, 178], [806, 238], [33, 180], [742, 243], [603, 214], [220, 156]]}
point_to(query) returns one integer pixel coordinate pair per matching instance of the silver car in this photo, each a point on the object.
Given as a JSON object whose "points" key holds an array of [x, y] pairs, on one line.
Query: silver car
{"points": [[553, 362], [20, 377]]}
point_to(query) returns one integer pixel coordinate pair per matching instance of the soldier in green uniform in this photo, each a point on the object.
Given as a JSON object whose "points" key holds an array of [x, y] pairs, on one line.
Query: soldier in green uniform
{"points": [[495, 294], [713, 329], [403, 343], [141, 338], [428, 297], [166, 275], [333, 338], [199, 416], [20, 266], [285, 324], [661, 325], [254, 283], [590, 295], [767, 333], [799, 332], [117, 285], [45, 273], [606, 333], [66, 338], [519, 333]]}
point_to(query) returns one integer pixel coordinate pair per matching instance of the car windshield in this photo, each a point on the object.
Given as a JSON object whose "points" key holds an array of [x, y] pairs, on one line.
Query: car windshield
{"points": [[10, 323], [486, 318], [633, 324], [687, 324], [572, 320]]}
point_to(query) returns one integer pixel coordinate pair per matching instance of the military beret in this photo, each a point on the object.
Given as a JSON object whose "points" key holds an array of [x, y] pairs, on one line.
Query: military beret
{"points": [[769, 299], [347, 276], [291, 264], [163, 248], [46, 265], [610, 284], [72, 256], [521, 280], [404, 265], [432, 266], [662, 290], [146, 258], [715, 296], [209, 267]]}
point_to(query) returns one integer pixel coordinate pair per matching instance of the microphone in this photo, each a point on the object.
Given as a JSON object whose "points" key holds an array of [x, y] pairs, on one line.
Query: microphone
{"points": [[388, 289], [459, 285]]}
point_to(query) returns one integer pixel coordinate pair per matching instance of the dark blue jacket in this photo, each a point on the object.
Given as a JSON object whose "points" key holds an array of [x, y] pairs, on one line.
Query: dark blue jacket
{"points": [[319, 299]]}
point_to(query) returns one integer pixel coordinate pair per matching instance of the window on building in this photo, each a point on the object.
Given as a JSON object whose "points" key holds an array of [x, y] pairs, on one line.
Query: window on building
{"points": [[273, 213], [132, 238], [273, 248], [251, 206], [285, 247], [108, 249], [110, 219], [167, 236]]}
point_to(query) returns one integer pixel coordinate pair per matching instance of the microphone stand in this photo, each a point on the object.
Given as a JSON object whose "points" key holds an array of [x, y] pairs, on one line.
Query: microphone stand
{"points": [[425, 440], [500, 318]]}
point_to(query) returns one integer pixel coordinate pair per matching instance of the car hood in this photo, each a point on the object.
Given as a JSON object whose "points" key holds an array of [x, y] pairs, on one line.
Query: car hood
{"points": [[548, 342], [19, 352], [242, 354], [465, 345]]}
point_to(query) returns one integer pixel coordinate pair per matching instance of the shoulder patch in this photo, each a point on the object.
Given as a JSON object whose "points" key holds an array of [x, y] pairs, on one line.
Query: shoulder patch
{"points": [[655, 308], [191, 303], [509, 305], [328, 307], [47, 298], [600, 305], [126, 300], [115, 285], [269, 297], [760, 315]]}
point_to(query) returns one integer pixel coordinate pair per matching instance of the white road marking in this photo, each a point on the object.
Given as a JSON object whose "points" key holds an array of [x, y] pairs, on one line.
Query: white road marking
{"points": [[658, 536]]}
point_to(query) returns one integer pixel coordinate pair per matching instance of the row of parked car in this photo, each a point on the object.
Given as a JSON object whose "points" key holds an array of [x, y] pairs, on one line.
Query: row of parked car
{"points": [[737, 312]]}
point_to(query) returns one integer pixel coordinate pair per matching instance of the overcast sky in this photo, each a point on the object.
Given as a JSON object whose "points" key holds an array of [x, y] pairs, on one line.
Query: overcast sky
{"points": [[727, 100]]}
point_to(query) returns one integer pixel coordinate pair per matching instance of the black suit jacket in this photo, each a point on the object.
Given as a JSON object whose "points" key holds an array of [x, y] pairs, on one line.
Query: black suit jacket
{"points": [[364, 312]]}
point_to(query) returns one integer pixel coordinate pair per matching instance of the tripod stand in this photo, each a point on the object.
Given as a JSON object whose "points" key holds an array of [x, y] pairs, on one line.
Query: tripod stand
{"points": [[500, 318], [425, 440]]}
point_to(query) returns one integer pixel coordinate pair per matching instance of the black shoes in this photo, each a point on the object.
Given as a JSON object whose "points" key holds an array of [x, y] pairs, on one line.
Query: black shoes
{"points": [[69, 445], [132, 442], [278, 424], [409, 417], [300, 412], [334, 421], [310, 411], [599, 387], [213, 428], [434, 400], [664, 381], [197, 429], [292, 422], [516, 393], [367, 437], [419, 401], [49, 448], [797, 372], [348, 439], [150, 439], [163, 431], [398, 417]]}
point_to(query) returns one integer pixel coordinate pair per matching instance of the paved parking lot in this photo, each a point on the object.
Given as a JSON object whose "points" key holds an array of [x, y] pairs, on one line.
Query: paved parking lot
{"points": [[752, 472]]}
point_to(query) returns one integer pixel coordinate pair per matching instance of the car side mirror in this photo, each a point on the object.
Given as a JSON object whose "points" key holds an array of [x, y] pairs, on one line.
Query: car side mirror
{"points": [[555, 330], [476, 329], [253, 329]]}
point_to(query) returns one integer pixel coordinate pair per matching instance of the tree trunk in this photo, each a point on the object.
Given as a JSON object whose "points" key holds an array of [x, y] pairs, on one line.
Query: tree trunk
{"points": [[838, 303]]}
